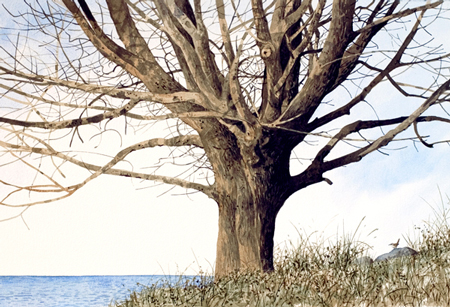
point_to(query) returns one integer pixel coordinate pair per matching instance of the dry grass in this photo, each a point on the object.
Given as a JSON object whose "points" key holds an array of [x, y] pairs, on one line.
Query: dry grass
{"points": [[319, 274]]}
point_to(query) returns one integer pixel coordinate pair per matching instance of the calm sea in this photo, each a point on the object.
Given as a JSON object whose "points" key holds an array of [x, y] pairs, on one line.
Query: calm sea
{"points": [[71, 291]]}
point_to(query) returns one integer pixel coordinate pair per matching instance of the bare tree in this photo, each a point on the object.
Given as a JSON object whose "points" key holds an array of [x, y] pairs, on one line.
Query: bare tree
{"points": [[240, 86]]}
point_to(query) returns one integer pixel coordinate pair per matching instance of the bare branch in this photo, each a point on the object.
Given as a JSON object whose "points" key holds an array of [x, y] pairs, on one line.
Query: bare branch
{"points": [[295, 16], [312, 23], [323, 73], [148, 71], [405, 122], [185, 140], [143, 15], [128, 33], [71, 123], [352, 55], [224, 31], [202, 81], [115, 92], [401, 14], [394, 63], [416, 131], [261, 23]]}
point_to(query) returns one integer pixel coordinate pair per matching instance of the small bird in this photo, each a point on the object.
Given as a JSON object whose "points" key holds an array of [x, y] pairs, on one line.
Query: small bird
{"points": [[394, 245]]}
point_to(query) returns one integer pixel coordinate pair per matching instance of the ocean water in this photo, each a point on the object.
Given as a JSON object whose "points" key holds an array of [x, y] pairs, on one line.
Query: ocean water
{"points": [[71, 291]]}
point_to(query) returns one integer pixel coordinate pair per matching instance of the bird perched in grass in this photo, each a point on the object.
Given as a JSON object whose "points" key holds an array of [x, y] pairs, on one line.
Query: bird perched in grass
{"points": [[394, 245]]}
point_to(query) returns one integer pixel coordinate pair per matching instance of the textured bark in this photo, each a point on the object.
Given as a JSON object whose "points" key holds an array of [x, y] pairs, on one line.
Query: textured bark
{"points": [[251, 187], [246, 227]]}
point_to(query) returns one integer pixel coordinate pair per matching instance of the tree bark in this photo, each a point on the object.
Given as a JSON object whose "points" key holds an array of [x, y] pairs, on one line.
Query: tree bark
{"points": [[251, 182], [247, 214]]}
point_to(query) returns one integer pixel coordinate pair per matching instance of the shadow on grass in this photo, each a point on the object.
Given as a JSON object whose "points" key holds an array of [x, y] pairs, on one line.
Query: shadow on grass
{"points": [[324, 274]]}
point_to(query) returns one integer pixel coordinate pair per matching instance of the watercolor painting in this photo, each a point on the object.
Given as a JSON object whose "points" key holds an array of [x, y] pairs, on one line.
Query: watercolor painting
{"points": [[241, 152]]}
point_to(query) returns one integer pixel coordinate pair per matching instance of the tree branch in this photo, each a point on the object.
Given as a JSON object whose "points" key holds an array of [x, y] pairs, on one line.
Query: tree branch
{"points": [[207, 58], [71, 123], [190, 80], [312, 23], [224, 31], [184, 140], [126, 28], [148, 71], [320, 166], [400, 14], [394, 63], [324, 71], [351, 56], [115, 92], [189, 49], [295, 16], [261, 23]]}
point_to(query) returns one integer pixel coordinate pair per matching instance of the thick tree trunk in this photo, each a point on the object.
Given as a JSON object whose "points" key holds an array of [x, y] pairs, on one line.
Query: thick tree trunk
{"points": [[251, 188], [246, 226]]}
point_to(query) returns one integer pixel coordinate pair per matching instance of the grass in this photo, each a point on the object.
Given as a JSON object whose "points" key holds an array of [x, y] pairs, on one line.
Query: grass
{"points": [[324, 274]]}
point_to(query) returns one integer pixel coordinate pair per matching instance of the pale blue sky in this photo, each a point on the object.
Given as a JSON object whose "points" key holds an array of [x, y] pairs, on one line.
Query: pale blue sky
{"points": [[111, 227]]}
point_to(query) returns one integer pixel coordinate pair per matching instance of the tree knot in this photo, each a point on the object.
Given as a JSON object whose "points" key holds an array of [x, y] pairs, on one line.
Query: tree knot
{"points": [[267, 50]]}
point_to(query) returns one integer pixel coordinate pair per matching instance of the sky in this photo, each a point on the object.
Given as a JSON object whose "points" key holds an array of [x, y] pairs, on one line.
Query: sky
{"points": [[114, 227]]}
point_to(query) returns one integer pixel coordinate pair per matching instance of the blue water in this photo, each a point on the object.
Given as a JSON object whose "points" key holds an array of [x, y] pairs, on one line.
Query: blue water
{"points": [[71, 291]]}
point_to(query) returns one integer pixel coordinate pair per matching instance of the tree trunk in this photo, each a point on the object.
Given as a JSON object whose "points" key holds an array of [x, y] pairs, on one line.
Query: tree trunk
{"points": [[246, 225], [251, 185]]}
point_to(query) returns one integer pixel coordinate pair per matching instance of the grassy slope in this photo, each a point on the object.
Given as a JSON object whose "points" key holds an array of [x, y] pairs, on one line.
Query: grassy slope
{"points": [[324, 274]]}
